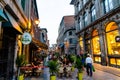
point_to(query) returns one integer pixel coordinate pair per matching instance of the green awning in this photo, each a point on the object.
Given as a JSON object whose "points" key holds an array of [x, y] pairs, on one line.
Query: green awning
{"points": [[2, 16], [12, 23]]}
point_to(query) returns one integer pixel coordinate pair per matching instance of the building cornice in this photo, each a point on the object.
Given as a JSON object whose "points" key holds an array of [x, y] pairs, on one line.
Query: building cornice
{"points": [[21, 18]]}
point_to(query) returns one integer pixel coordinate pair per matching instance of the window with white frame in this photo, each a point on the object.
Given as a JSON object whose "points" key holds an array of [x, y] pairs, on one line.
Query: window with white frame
{"points": [[93, 13], [84, 1], [108, 5], [85, 18]]}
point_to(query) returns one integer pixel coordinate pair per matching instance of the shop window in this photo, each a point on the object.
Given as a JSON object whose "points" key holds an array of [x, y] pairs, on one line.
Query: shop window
{"points": [[112, 32], [87, 42], [97, 59], [96, 43], [81, 42], [81, 45], [111, 26], [118, 62], [112, 61], [95, 33]]}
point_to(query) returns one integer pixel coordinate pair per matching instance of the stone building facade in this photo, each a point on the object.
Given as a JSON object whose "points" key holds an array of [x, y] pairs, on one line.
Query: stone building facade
{"points": [[98, 29], [16, 17], [66, 35]]}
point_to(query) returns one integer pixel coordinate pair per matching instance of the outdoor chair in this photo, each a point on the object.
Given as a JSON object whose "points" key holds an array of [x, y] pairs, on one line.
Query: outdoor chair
{"points": [[28, 70], [69, 71], [38, 71], [61, 72]]}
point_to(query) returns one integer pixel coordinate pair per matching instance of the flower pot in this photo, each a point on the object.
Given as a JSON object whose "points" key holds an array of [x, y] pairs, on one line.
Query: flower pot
{"points": [[52, 77], [21, 77], [80, 76], [73, 68]]}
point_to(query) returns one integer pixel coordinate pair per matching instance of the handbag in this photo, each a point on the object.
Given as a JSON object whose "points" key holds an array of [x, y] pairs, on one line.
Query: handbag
{"points": [[93, 68]]}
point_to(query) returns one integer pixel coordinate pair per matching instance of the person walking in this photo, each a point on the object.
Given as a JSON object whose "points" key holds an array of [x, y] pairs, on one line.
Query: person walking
{"points": [[89, 63]]}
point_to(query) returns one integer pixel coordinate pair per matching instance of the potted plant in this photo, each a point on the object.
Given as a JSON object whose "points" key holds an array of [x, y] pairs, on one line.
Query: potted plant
{"points": [[20, 61], [79, 65], [72, 59], [54, 67]]}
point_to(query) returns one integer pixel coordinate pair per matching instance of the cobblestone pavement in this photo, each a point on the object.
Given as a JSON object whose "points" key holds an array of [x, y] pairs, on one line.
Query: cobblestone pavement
{"points": [[97, 75]]}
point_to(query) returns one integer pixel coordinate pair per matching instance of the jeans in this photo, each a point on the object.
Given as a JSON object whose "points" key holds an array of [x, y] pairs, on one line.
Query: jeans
{"points": [[89, 69], [46, 74]]}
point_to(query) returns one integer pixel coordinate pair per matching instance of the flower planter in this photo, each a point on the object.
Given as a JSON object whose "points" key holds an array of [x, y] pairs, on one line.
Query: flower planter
{"points": [[80, 76], [52, 77], [73, 68], [21, 77]]}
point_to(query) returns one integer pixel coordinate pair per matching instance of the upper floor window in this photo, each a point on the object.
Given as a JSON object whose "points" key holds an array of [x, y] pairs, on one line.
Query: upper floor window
{"points": [[79, 23], [108, 5], [85, 18], [70, 41], [78, 27], [70, 33], [78, 6], [93, 13], [23, 4], [84, 1]]}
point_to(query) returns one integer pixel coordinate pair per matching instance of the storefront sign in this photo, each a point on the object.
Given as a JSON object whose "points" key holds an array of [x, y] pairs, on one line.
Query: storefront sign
{"points": [[26, 38], [117, 38]]}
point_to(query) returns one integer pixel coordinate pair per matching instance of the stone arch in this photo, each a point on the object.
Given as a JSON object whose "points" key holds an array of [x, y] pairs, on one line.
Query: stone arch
{"points": [[111, 26], [94, 32], [95, 45], [113, 47]]}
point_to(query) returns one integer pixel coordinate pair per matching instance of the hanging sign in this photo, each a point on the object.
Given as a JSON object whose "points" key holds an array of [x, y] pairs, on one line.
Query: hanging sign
{"points": [[26, 38]]}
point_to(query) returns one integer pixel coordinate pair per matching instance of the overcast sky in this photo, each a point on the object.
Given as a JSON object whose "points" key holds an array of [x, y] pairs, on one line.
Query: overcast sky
{"points": [[51, 13]]}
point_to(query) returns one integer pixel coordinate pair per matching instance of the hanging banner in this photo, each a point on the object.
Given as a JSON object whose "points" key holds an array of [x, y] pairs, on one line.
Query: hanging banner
{"points": [[26, 38]]}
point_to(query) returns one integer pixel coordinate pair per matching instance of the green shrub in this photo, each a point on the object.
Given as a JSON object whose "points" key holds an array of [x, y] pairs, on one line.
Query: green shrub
{"points": [[53, 66]]}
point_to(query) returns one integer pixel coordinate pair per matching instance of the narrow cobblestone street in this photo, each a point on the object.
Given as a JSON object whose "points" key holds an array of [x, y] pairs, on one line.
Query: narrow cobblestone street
{"points": [[97, 75]]}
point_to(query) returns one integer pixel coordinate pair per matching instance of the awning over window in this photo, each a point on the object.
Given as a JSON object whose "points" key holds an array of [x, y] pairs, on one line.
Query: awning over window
{"points": [[2, 16], [39, 44], [12, 23]]}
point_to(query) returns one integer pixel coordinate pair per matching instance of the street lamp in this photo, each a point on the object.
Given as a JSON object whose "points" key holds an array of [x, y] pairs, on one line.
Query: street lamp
{"points": [[37, 22]]}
